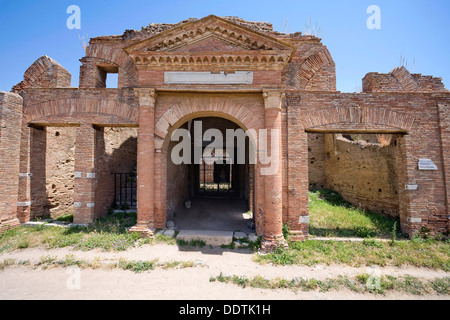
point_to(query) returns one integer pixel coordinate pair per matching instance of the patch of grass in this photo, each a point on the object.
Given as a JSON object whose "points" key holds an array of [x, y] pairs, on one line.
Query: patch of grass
{"points": [[71, 261], [137, 266], [428, 254], [107, 241], [259, 282], [160, 238], [177, 264], [7, 263], [47, 259], [411, 285], [282, 256], [441, 286], [23, 243], [241, 281], [192, 243], [64, 240], [332, 216], [65, 218], [363, 283], [109, 233]]}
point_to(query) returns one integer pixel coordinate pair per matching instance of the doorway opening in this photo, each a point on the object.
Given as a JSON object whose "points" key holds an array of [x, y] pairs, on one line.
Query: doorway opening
{"points": [[215, 191], [353, 182]]}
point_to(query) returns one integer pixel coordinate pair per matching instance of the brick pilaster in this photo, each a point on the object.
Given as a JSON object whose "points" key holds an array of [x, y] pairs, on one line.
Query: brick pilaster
{"points": [[273, 179], [10, 120], [25, 176], [444, 129], [146, 163], [85, 178], [38, 191]]}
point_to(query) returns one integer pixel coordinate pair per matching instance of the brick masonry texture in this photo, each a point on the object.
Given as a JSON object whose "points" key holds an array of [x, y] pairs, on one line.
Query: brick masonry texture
{"points": [[10, 122], [364, 172], [293, 90]]}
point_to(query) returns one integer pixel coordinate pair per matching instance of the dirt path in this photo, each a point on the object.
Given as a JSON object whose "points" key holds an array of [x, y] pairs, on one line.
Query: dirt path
{"points": [[27, 282]]}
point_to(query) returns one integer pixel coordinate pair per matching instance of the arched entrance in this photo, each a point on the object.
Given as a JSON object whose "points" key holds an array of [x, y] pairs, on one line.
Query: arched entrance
{"points": [[175, 111], [210, 181], [160, 114]]}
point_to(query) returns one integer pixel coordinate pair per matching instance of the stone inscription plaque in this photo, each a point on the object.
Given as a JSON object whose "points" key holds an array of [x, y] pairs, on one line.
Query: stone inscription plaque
{"points": [[427, 164], [239, 77]]}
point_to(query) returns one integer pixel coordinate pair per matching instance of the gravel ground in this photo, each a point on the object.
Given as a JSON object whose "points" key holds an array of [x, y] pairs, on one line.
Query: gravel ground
{"points": [[29, 282]]}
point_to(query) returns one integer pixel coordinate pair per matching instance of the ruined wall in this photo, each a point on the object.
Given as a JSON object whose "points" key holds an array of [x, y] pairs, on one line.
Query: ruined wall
{"points": [[44, 73], [364, 173], [312, 68], [115, 152], [444, 128], [60, 170], [316, 160], [401, 80], [10, 121], [414, 113]]}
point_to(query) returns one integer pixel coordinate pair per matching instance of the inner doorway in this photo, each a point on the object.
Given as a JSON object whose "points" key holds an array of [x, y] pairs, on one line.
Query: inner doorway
{"points": [[216, 191], [215, 175]]}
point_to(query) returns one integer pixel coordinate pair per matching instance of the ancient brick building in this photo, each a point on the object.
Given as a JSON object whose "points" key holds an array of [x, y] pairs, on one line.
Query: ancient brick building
{"points": [[232, 74]]}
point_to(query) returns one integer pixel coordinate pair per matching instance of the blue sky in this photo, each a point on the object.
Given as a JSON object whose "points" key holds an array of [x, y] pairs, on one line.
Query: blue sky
{"points": [[417, 30]]}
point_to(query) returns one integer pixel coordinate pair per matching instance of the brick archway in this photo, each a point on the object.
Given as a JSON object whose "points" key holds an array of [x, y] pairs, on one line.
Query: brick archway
{"points": [[105, 111], [244, 115], [364, 119], [342, 119], [241, 114]]}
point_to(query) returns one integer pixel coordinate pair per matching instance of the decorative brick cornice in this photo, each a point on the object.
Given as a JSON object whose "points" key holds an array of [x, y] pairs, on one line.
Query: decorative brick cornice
{"points": [[239, 48], [225, 61]]}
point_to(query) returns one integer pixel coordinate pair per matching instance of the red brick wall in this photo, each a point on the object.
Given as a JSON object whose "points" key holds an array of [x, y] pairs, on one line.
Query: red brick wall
{"points": [[44, 73], [401, 80], [398, 102], [10, 123], [375, 113], [365, 174], [444, 128]]}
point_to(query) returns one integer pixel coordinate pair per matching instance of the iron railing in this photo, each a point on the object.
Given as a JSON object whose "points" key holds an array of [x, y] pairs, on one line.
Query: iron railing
{"points": [[125, 188]]}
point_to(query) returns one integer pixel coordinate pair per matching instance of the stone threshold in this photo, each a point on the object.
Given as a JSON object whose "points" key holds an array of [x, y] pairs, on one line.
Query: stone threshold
{"points": [[214, 237], [52, 223]]}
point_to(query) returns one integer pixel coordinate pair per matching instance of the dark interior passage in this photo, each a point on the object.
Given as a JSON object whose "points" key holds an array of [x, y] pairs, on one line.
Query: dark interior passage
{"points": [[214, 193]]}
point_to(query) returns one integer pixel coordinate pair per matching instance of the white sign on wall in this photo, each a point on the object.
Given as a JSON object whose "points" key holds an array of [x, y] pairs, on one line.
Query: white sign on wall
{"points": [[180, 77], [427, 164], [411, 187]]}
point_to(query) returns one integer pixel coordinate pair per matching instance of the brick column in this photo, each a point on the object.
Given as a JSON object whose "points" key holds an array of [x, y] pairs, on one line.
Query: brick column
{"points": [[32, 199], [444, 129], [25, 175], [273, 179], [38, 191], [10, 121], [85, 179], [146, 163], [160, 188], [32, 194]]}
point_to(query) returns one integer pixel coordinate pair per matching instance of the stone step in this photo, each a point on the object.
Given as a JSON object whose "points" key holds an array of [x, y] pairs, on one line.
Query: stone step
{"points": [[129, 210], [210, 237]]}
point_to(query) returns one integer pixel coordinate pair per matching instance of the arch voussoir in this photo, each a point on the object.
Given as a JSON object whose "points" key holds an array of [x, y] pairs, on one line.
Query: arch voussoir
{"points": [[354, 117]]}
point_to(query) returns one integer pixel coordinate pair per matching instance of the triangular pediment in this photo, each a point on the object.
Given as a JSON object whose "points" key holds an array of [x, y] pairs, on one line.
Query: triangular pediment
{"points": [[221, 29], [210, 39], [210, 43]]}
